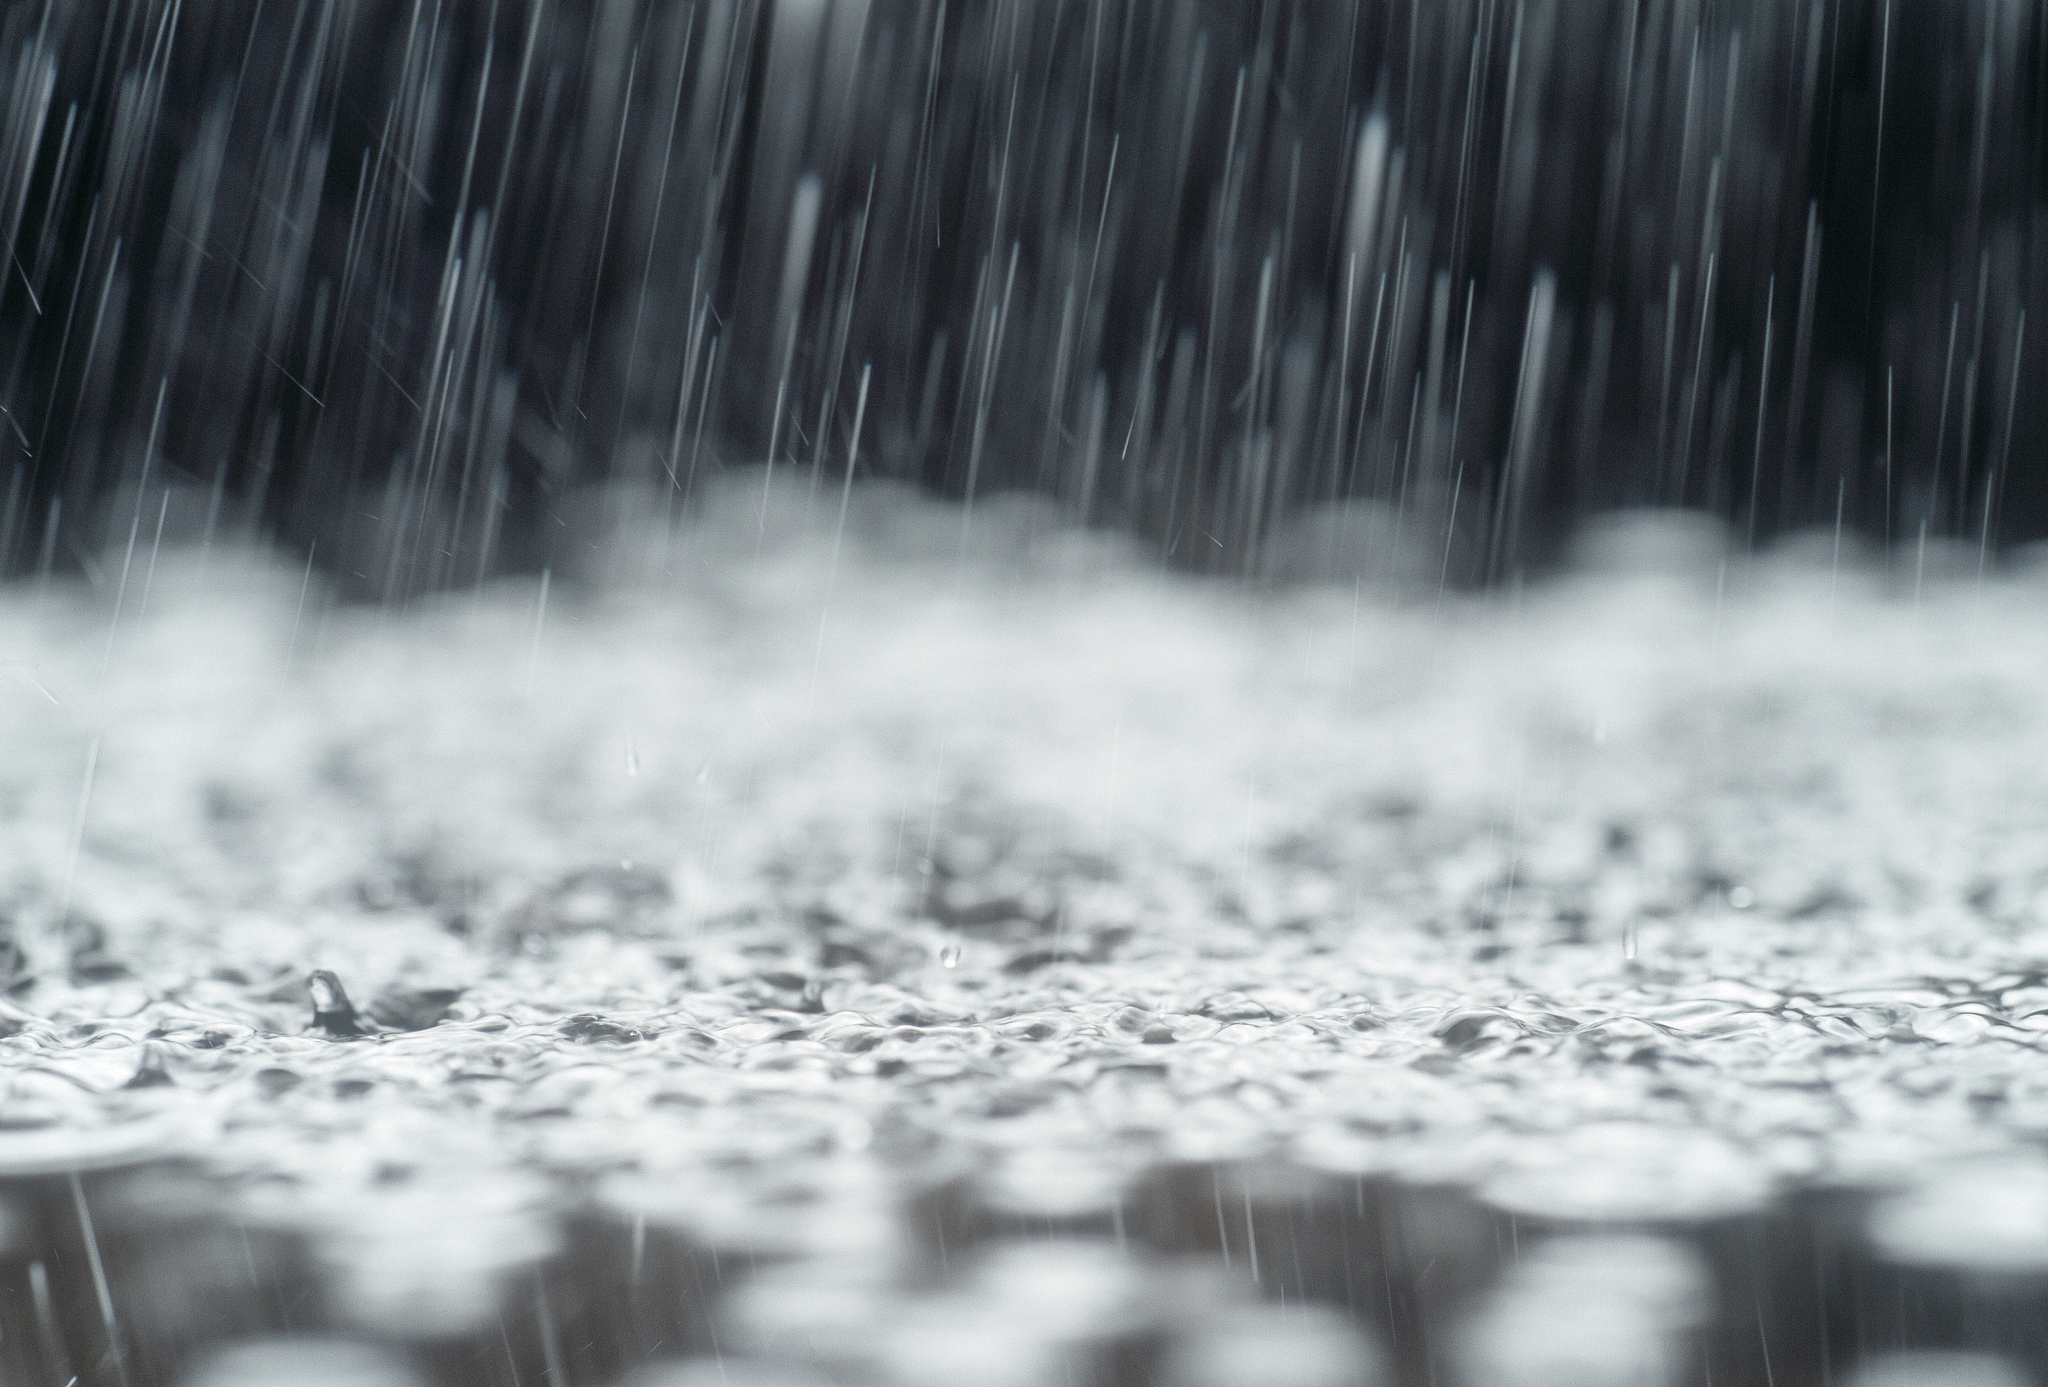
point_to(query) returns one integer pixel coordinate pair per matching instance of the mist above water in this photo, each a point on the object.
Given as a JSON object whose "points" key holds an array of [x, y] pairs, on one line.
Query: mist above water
{"points": [[389, 280]]}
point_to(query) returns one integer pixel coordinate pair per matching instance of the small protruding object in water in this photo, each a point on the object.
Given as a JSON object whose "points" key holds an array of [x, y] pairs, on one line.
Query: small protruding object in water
{"points": [[589, 1026], [304, 1362], [413, 1009], [154, 1071], [333, 1013]]}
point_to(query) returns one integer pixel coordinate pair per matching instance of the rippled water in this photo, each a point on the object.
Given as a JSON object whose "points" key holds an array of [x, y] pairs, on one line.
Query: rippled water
{"points": [[806, 910]]}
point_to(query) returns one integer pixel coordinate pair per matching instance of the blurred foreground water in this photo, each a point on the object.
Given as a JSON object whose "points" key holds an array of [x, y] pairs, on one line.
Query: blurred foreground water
{"points": [[840, 938]]}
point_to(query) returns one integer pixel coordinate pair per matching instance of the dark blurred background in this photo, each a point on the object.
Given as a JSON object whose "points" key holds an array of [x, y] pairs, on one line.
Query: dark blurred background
{"points": [[386, 280]]}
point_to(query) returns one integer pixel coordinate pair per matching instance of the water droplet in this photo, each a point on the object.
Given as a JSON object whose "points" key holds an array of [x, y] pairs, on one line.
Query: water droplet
{"points": [[1741, 897], [949, 956]]}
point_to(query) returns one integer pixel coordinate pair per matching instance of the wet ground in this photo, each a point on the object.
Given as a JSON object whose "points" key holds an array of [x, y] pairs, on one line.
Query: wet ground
{"points": [[936, 946]]}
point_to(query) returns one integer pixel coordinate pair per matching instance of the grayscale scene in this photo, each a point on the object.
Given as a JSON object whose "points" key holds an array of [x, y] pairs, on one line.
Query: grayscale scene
{"points": [[1024, 693]]}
